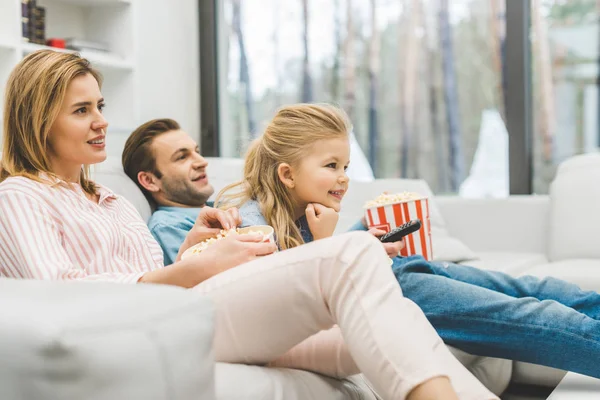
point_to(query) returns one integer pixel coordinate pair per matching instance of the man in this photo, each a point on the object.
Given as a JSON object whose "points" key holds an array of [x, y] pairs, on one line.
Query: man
{"points": [[549, 322], [166, 164]]}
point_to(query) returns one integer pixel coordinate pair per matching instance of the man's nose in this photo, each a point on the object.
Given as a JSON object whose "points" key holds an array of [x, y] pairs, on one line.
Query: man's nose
{"points": [[200, 162]]}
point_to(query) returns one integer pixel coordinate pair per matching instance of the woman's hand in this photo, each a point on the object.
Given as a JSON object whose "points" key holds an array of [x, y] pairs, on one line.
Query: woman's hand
{"points": [[392, 249], [321, 220], [209, 223], [224, 254], [232, 251]]}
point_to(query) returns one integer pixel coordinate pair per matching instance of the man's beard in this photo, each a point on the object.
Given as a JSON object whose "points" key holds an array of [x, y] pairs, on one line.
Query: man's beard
{"points": [[182, 192]]}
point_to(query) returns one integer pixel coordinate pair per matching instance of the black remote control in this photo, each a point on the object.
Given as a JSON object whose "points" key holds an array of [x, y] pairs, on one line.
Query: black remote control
{"points": [[398, 233]]}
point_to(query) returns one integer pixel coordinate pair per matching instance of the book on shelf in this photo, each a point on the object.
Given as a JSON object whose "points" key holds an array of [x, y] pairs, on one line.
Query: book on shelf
{"points": [[25, 20], [38, 22], [33, 22]]}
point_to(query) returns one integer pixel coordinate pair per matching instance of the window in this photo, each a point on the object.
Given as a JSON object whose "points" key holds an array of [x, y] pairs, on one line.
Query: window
{"points": [[565, 57], [421, 80]]}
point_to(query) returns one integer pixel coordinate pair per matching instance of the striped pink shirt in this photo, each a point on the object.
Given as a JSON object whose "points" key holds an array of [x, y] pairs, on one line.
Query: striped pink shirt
{"points": [[56, 233]]}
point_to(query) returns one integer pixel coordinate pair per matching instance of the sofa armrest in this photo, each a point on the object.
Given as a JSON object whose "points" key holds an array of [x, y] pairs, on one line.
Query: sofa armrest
{"points": [[95, 341], [516, 224]]}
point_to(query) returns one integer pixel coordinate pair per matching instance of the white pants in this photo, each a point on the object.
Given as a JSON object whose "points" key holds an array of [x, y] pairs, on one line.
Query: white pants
{"points": [[282, 309]]}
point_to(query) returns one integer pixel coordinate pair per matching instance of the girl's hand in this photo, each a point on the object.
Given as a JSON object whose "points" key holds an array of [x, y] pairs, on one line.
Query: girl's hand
{"points": [[392, 249], [321, 220]]}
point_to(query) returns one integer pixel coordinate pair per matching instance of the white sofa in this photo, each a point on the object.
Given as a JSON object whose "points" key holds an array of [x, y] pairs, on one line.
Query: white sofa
{"points": [[550, 235], [519, 235]]}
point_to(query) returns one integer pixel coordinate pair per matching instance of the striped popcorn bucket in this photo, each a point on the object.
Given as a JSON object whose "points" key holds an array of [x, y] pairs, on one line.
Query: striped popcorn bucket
{"points": [[389, 216]]}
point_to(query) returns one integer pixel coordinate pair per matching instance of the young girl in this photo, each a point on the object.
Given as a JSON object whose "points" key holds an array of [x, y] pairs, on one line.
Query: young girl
{"points": [[57, 224], [295, 176], [294, 180]]}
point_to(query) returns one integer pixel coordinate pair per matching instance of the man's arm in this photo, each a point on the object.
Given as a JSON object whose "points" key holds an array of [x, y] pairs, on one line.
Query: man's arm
{"points": [[358, 226], [170, 238]]}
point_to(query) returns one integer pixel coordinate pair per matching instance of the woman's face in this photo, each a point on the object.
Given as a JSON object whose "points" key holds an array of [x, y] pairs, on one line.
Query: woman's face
{"points": [[77, 137]]}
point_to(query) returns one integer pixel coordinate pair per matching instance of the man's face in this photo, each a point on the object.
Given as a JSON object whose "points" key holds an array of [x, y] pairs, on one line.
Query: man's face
{"points": [[184, 182]]}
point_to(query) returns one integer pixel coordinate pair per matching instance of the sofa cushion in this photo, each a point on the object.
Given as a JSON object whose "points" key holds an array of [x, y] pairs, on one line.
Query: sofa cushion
{"points": [[445, 247], [101, 341], [223, 171], [534, 374], [512, 263], [583, 273], [494, 373], [254, 382], [247, 382], [574, 217], [110, 174]]}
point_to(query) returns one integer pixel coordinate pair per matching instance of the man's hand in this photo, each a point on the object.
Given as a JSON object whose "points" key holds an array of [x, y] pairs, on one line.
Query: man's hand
{"points": [[232, 251], [209, 223], [321, 220], [219, 219], [392, 249]]}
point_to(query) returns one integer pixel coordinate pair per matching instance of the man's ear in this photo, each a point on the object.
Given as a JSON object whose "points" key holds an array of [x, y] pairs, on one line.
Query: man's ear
{"points": [[286, 175], [149, 181]]}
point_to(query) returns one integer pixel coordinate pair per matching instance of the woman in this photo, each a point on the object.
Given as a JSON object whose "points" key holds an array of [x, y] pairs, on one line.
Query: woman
{"points": [[58, 224]]}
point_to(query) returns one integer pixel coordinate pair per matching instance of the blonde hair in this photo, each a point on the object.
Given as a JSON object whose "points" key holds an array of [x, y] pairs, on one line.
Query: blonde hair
{"points": [[35, 92], [288, 137]]}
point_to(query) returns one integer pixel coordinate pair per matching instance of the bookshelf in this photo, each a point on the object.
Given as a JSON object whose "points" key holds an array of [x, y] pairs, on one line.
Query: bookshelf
{"points": [[107, 21]]}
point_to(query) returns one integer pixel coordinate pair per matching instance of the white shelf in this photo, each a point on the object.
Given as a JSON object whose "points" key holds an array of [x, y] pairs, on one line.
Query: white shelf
{"points": [[111, 22], [7, 46], [98, 59], [92, 3]]}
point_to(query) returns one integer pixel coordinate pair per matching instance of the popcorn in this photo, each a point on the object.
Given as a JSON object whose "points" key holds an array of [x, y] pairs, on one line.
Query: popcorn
{"points": [[389, 211], [200, 247], [266, 231], [386, 198]]}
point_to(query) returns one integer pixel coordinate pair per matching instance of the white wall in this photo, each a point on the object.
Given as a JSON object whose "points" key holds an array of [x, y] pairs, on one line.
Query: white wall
{"points": [[167, 59]]}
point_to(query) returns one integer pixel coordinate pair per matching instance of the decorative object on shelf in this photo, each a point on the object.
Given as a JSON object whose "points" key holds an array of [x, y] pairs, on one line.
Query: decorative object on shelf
{"points": [[86, 45], [56, 43]]}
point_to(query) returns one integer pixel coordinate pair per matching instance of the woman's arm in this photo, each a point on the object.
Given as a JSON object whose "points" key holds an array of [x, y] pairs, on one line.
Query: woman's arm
{"points": [[224, 254], [31, 244], [31, 247], [187, 273]]}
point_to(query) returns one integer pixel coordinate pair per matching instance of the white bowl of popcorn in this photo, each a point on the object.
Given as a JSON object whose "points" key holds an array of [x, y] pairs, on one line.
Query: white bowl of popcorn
{"points": [[265, 230]]}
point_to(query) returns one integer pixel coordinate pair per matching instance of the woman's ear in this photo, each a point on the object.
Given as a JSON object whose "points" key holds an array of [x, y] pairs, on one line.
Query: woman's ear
{"points": [[286, 175], [149, 181]]}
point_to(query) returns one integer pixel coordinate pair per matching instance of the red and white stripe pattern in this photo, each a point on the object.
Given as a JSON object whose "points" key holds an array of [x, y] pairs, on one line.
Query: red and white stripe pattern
{"points": [[390, 216], [53, 232]]}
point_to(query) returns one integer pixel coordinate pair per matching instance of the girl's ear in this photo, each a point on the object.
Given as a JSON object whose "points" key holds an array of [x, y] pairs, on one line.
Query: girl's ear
{"points": [[148, 181], [286, 175]]}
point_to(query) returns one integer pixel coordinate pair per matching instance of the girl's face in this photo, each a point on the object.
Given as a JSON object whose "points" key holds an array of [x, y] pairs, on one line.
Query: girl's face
{"points": [[321, 175], [77, 137]]}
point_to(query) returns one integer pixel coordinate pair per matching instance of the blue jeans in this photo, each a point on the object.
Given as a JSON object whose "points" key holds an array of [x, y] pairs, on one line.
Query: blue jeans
{"points": [[541, 321]]}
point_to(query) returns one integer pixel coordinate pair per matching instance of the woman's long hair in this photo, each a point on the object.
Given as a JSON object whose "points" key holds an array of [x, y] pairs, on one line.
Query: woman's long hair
{"points": [[35, 92], [290, 135]]}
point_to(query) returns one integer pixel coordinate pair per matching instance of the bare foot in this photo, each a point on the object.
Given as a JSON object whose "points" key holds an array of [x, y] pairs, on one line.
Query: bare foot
{"points": [[434, 389]]}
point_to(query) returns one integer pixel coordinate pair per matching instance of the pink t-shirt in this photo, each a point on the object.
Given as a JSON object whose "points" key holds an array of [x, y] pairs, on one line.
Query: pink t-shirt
{"points": [[53, 232]]}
